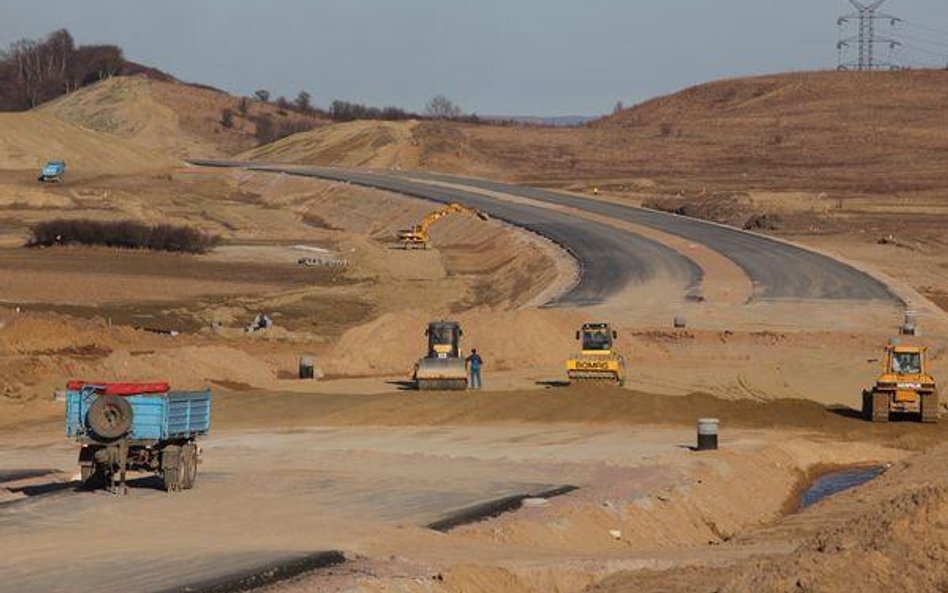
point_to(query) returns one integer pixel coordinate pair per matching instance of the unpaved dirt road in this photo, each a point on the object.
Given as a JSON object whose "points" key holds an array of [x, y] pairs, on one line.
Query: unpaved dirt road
{"points": [[268, 493]]}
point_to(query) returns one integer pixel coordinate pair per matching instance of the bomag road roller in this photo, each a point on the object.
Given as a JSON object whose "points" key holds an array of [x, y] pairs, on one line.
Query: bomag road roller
{"points": [[904, 387], [443, 367], [597, 360]]}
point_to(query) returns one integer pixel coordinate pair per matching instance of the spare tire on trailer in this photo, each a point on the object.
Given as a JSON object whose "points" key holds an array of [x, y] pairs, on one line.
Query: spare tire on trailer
{"points": [[109, 417]]}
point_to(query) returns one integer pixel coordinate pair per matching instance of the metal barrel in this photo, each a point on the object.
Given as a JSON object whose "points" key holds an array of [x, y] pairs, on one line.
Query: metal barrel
{"points": [[307, 367], [707, 434]]}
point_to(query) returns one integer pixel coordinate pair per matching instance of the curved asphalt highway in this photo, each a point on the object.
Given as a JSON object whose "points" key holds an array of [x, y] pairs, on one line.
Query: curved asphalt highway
{"points": [[778, 270], [609, 258]]}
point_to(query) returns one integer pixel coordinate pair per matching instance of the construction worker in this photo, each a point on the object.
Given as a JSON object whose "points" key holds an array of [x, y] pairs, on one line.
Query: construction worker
{"points": [[474, 362]]}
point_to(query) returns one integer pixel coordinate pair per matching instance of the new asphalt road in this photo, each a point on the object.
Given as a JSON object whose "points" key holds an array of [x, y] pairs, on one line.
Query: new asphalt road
{"points": [[610, 258]]}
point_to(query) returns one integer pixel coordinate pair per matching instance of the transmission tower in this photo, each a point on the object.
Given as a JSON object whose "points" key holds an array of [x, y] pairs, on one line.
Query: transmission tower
{"points": [[865, 38]]}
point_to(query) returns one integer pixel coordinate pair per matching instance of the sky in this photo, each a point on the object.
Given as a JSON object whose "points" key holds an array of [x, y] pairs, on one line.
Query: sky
{"points": [[492, 57]]}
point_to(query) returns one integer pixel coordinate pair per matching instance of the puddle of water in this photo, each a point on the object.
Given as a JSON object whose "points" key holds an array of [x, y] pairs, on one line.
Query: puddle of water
{"points": [[835, 482]]}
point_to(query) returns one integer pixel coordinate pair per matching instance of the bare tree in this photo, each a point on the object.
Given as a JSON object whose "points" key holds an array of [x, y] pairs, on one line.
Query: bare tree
{"points": [[262, 95], [303, 102], [243, 106], [227, 118], [442, 107]]}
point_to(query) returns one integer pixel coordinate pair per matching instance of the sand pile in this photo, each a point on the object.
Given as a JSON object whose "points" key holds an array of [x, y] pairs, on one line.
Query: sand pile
{"points": [[27, 140], [377, 144], [170, 117], [886, 536], [427, 145], [393, 343], [897, 544]]}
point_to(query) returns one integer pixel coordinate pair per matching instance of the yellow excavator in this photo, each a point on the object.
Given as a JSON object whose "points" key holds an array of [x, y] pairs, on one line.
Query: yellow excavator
{"points": [[904, 386], [597, 361], [417, 236]]}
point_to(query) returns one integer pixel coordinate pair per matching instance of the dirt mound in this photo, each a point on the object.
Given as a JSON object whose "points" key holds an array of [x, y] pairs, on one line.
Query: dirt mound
{"points": [[393, 343], [874, 543], [378, 144], [885, 536], [27, 140], [172, 117], [427, 145]]}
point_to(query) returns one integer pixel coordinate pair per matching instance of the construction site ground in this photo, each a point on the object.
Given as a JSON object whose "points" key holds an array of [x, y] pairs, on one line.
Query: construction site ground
{"points": [[360, 463]]}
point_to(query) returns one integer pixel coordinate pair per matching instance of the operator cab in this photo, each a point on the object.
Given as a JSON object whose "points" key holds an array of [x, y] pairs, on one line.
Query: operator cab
{"points": [[444, 339], [596, 337], [905, 362]]}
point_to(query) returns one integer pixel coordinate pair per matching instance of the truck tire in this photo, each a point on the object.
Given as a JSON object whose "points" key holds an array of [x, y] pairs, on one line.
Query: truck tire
{"points": [[930, 407], [172, 468], [90, 477], [109, 417], [189, 462], [880, 406]]}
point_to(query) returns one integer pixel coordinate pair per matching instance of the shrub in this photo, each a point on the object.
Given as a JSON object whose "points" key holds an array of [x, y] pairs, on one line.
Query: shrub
{"points": [[129, 234]]}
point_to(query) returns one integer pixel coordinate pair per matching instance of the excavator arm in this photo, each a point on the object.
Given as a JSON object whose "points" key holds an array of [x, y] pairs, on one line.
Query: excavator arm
{"points": [[418, 236]]}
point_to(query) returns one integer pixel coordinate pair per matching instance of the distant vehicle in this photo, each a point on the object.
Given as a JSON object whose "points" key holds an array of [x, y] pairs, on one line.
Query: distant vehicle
{"points": [[598, 360], [904, 386], [136, 427], [442, 367], [417, 236], [53, 171]]}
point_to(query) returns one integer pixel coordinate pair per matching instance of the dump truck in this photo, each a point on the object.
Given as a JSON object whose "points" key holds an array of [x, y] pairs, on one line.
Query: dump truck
{"points": [[597, 360], [53, 172], [417, 236], [904, 386], [442, 367], [122, 427]]}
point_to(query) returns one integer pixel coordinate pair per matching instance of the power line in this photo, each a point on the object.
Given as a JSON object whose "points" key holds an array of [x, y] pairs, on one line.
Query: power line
{"points": [[943, 54], [865, 39], [924, 27], [900, 35]]}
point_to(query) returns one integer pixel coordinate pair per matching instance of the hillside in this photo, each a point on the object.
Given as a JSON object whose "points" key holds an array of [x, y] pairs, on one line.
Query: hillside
{"points": [[840, 131], [873, 131], [27, 140], [168, 116], [413, 144]]}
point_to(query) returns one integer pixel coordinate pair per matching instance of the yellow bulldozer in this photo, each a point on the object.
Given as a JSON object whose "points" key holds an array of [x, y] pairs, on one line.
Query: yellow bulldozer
{"points": [[417, 236], [904, 387], [597, 361], [443, 367]]}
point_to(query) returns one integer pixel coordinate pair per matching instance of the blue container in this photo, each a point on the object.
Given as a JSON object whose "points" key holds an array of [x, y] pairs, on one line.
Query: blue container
{"points": [[155, 416]]}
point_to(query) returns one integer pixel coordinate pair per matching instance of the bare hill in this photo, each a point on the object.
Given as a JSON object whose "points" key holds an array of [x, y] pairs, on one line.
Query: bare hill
{"points": [[842, 131], [29, 139], [412, 144], [873, 132], [176, 118]]}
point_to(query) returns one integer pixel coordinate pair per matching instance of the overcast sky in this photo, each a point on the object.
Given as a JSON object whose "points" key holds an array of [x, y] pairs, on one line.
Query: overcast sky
{"points": [[543, 57]]}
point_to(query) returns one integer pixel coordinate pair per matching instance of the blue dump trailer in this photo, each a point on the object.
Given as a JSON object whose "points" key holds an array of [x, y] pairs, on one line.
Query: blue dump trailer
{"points": [[53, 171], [127, 427]]}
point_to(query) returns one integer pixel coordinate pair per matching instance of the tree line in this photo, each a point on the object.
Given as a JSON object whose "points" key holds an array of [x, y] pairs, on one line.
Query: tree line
{"points": [[36, 71]]}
